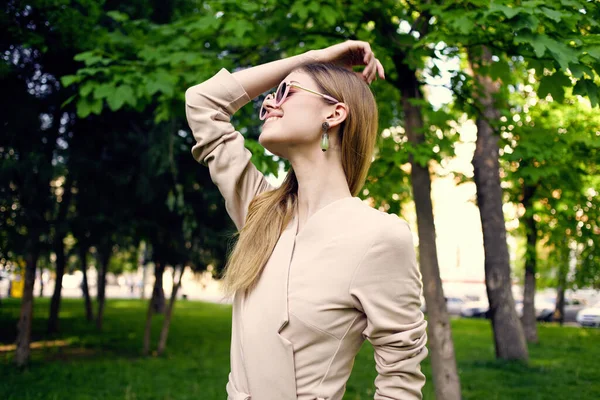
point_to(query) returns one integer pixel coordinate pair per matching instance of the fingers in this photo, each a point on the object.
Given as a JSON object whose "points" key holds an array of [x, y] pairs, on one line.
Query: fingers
{"points": [[371, 71], [373, 67], [380, 69], [366, 73], [368, 53]]}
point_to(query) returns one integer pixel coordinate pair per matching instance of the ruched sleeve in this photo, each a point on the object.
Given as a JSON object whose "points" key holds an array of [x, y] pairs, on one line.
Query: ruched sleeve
{"points": [[386, 287], [209, 107]]}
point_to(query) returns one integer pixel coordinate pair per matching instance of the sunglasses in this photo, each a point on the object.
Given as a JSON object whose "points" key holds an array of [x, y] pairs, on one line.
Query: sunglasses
{"points": [[281, 94]]}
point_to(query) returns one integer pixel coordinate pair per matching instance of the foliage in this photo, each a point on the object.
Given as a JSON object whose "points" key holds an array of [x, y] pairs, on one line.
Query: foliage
{"points": [[559, 39], [555, 149]]}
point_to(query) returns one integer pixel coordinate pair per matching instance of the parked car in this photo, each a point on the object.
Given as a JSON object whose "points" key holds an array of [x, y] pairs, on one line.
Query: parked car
{"points": [[545, 307], [589, 316], [72, 281], [475, 309], [454, 304], [481, 308]]}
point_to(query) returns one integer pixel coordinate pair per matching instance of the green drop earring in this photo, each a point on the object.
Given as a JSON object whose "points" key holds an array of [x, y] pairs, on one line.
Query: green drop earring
{"points": [[325, 137]]}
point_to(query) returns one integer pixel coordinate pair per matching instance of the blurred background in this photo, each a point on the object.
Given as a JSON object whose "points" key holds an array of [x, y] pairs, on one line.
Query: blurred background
{"points": [[113, 238]]}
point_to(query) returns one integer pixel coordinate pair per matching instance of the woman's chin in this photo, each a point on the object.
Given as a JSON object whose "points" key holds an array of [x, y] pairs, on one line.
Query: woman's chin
{"points": [[269, 137], [273, 146]]}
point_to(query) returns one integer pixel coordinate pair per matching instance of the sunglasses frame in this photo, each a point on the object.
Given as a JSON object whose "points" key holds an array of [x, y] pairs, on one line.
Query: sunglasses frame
{"points": [[284, 96]]}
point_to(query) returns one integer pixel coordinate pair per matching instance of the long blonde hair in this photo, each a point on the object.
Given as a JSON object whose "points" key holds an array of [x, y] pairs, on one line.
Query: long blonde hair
{"points": [[271, 211]]}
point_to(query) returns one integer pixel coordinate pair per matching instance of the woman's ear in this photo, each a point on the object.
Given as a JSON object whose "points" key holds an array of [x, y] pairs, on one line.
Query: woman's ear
{"points": [[337, 115]]}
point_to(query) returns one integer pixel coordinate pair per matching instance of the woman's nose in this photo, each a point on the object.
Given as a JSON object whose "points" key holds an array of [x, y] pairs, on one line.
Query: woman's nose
{"points": [[269, 102]]}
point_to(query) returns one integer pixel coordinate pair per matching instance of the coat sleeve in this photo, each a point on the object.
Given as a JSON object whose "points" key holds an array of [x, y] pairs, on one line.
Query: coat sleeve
{"points": [[209, 107], [386, 287]]}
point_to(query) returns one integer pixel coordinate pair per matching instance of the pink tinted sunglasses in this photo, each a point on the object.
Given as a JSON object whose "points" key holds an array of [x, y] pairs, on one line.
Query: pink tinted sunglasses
{"points": [[281, 94]]}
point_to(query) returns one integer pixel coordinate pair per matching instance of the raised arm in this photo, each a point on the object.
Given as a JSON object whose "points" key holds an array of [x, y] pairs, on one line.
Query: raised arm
{"points": [[210, 105]]}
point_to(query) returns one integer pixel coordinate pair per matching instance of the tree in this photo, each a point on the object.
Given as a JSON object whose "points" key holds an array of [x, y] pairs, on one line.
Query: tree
{"points": [[558, 36], [511, 343], [557, 157], [60, 232]]}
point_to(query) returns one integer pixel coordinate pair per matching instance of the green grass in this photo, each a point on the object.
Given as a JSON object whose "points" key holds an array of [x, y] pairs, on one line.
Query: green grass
{"points": [[109, 366]]}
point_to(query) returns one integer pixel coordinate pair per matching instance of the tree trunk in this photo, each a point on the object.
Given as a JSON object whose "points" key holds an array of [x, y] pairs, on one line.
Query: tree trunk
{"points": [[559, 312], [103, 257], [59, 249], [89, 312], [509, 338], [148, 328], [563, 270], [142, 257], [158, 269], [144, 278], [164, 333], [158, 293], [441, 346], [528, 319], [41, 276], [24, 324]]}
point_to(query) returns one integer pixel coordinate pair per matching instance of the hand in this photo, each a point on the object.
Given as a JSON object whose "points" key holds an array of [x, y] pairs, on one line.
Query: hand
{"points": [[351, 53]]}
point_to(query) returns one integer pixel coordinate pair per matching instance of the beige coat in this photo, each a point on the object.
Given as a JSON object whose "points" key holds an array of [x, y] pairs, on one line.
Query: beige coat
{"points": [[348, 275]]}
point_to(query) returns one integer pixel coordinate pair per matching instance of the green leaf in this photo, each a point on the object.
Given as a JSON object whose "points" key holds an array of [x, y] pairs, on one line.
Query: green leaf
{"points": [[88, 57], [530, 22], [587, 87], [500, 70], [539, 46], [161, 81], [330, 15], [149, 53], [68, 101], [464, 24], [162, 113], [86, 88], [300, 9], [122, 95], [181, 42], [96, 106], [239, 27], [171, 201], [204, 24], [90, 71], [83, 108], [593, 51], [573, 3], [578, 70], [118, 16], [560, 51], [103, 91], [68, 80], [509, 12], [552, 14], [554, 85]]}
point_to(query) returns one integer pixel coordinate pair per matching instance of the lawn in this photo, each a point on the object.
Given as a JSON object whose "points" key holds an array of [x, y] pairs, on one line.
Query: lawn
{"points": [[85, 365]]}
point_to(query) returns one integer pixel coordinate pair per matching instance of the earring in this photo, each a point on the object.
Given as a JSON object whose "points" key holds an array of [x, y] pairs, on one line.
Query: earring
{"points": [[325, 137]]}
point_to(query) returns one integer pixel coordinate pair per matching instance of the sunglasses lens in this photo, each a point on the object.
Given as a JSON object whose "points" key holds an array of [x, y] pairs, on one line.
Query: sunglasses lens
{"points": [[263, 111], [280, 93]]}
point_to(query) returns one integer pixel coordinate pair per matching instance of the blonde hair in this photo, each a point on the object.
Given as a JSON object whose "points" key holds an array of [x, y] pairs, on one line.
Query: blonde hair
{"points": [[271, 211]]}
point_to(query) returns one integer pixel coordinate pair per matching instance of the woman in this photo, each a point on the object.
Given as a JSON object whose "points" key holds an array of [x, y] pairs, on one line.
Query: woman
{"points": [[315, 271]]}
